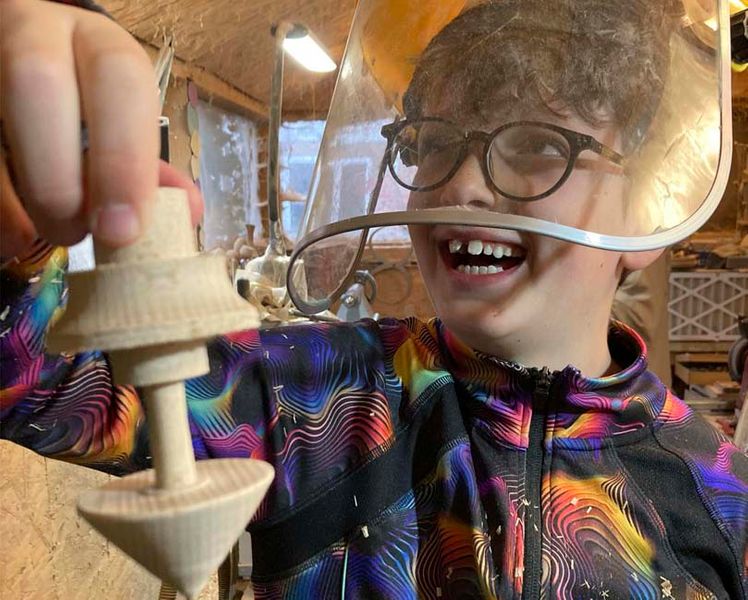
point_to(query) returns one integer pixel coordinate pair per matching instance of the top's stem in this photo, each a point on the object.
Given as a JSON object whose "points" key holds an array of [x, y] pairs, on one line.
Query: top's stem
{"points": [[169, 432]]}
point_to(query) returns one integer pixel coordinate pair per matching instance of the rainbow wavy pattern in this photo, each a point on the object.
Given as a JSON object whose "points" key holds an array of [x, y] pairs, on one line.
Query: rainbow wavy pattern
{"points": [[411, 449]]}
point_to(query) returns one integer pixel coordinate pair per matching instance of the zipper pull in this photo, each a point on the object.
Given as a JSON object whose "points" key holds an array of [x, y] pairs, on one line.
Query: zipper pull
{"points": [[543, 380]]}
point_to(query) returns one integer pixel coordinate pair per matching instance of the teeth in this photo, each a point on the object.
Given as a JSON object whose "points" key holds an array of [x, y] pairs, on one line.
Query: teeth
{"points": [[473, 270], [478, 247], [475, 247]]}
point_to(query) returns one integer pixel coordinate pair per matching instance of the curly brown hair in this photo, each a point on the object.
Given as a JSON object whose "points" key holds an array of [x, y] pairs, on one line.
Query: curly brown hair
{"points": [[599, 59]]}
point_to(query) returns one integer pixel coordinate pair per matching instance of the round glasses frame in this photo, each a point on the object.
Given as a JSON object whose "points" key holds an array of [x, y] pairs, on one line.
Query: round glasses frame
{"points": [[578, 143]]}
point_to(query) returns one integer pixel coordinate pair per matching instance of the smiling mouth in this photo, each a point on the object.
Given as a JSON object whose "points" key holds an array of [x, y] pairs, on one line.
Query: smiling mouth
{"points": [[479, 257]]}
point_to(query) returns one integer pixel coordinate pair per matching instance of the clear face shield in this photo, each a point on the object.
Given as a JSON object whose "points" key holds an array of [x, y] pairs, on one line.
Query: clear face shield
{"points": [[599, 123]]}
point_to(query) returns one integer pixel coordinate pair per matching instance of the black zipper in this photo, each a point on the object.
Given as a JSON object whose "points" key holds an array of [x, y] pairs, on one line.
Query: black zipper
{"points": [[533, 563]]}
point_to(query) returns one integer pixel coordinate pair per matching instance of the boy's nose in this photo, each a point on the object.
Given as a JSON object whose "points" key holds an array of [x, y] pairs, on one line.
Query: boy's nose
{"points": [[468, 186]]}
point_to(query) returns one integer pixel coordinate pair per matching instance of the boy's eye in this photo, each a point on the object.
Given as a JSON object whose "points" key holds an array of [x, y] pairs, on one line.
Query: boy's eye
{"points": [[541, 147], [435, 142], [408, 155], [406, 146], [529, 151], [419, 143], [528, 143]]}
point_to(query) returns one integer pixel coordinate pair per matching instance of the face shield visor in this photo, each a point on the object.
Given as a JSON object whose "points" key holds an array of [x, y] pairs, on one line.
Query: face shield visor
{"points": [[595, 122]]}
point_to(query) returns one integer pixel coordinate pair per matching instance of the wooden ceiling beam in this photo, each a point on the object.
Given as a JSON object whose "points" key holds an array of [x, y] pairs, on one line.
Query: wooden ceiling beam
{"points": [[214, 89]]}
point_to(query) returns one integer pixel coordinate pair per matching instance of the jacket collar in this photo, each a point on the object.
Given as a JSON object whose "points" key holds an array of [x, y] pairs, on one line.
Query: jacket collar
{"points": [[501, 395]]}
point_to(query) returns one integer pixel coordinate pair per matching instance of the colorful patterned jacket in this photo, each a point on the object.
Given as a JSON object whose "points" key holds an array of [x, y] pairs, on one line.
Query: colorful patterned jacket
{"points": [[409, 466]]}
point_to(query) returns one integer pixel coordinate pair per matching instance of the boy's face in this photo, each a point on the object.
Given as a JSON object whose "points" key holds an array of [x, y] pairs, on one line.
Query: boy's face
{"points": [[544, 281]]}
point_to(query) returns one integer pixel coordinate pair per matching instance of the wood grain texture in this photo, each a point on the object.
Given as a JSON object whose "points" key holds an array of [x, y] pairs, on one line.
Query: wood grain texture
{"points": [[184, 532], [232, 40], [211, 87], [154, 292], [47, 552], [155, 302]]}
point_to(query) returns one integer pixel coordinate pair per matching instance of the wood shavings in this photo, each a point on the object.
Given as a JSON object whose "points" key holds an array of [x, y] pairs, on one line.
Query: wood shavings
{"points": [[666, 586]]}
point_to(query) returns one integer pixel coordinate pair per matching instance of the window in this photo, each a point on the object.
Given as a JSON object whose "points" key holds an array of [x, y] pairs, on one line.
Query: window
{"points": [[299, 144], [228, 175], [354, 174]]}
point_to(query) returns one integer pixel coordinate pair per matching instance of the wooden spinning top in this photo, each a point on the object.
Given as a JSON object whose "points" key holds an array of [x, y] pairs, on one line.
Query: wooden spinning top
{"points": [[152, 305]]}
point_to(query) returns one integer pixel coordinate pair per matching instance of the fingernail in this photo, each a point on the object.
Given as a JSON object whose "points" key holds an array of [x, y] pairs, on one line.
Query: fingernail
{"points": [[116, 224]]}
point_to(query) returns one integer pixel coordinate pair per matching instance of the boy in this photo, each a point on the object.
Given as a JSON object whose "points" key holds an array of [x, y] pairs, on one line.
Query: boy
{"points": [[423, 459]]}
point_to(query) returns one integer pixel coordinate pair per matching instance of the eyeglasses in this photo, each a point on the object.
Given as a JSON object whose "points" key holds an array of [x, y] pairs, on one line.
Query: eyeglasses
{"points": [[523, 160]]}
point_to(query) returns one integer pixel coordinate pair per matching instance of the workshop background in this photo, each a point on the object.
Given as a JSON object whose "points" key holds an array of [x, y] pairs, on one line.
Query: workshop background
{"points": [[217, 103]]}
